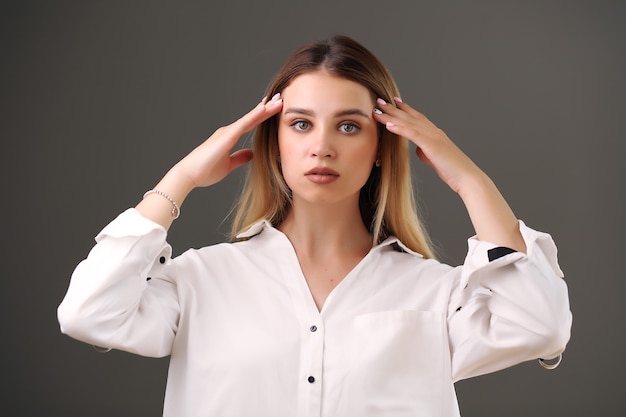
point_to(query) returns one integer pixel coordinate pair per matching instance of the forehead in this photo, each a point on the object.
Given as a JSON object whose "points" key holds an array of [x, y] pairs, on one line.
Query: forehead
{"points": [[321, 89]]}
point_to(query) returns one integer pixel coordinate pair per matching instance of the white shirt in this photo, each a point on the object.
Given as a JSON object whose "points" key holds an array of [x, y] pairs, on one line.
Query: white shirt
{"points": [[246, 338]]}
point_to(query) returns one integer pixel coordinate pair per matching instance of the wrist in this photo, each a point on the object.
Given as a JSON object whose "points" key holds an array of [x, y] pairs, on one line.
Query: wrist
{"points": [[175, 206], [178, 182], [475, 183], [162, 204]]}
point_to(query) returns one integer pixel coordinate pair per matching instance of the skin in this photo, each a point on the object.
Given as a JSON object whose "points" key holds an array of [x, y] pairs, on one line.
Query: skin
{"points": [[324, 224], [326, 122], [491, 216]]}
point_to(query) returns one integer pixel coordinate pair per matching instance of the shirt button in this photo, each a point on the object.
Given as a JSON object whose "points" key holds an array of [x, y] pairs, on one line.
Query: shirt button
{"points": [[311, 379], [162, 259], [313, 328]]}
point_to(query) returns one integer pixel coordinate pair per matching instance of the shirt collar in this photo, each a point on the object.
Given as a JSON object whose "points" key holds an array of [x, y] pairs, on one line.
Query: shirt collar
{"points": [[396, 245], [255, 229], [392, 241]]}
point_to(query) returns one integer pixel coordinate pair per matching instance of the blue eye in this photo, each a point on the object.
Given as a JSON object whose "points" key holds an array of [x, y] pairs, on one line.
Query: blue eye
{"points": [[301, 125], [349, 128]]}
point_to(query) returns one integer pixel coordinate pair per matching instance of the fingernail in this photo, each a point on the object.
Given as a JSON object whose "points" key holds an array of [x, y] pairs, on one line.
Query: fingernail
{"points": [[398, 99], [381, 101], [389, 124], [275, 97], [261, 104], [377, 111]]}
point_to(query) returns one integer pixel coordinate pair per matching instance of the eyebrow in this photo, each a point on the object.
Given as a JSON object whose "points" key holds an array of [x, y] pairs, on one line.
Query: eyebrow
{"points": [[347, 112]]}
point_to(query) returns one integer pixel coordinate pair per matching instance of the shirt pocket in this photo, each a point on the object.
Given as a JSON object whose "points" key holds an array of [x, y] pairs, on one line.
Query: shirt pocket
{"points": [[399, 357]]}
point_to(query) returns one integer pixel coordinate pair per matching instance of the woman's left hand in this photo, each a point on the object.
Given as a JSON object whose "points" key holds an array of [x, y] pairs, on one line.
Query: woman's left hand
{"points": [[433, 145], [491, 216]]}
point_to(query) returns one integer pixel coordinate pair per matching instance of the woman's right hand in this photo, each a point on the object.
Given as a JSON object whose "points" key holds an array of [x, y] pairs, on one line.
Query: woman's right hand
{"points": [[212, 161], [207, 164]]}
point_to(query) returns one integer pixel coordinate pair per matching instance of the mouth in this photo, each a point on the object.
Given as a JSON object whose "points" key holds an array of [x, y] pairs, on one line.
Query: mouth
{"points": [[322, 171], [321, 175]]}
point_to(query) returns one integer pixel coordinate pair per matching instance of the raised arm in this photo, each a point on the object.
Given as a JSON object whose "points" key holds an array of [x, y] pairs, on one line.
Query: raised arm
{"points": [[122, 295], [491, 216], [208, 164], [500, 313]]}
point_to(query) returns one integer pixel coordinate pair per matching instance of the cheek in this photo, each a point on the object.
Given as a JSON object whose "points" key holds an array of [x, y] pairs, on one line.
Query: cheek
{"points": [[369, 152], [363, 161], [285, 142], [286, 160]]}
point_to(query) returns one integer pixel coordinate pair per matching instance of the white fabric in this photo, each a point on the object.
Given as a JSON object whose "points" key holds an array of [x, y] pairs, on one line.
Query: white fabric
{"points": [[237, 320]]}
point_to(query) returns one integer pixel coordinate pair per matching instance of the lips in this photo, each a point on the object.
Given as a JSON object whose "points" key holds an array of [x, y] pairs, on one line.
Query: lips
{"points": [[322, 171], [321, 175]]}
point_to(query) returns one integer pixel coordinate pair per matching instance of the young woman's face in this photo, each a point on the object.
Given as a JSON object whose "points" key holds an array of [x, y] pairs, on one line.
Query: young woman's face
{"points": [[327, 138]]}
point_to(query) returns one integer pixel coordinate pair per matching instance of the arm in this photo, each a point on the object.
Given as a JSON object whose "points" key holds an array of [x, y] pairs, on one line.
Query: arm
{"points": [[206, 165], [110, 301], [491, 216], [508, 310], [503, 312]]}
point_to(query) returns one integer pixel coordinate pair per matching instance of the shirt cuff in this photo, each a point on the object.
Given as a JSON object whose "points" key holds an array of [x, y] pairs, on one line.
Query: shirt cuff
{"points": [[499, 252], [131, 223], [540, 249]]}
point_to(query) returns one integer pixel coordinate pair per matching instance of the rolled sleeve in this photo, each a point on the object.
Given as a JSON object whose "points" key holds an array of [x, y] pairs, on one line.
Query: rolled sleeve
{"points": [[508, 310]]}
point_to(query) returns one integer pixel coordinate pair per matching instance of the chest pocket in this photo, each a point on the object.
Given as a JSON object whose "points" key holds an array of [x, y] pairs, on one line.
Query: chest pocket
{"points": [[399, 358]]}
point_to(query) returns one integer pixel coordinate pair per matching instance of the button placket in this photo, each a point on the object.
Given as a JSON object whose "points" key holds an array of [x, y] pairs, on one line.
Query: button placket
{"points": [[314, 378]]}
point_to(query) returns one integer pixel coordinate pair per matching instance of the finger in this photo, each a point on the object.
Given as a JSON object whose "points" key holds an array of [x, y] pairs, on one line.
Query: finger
{"points": [[389, 112], [384, 112], [240, 157], [423, 157], [405, 107], [394, 119], [263, 111], [401, 110], [405, 115]]}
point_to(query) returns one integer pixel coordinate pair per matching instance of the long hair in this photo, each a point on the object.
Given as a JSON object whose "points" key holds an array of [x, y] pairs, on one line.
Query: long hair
{"points": [[387, 201]]}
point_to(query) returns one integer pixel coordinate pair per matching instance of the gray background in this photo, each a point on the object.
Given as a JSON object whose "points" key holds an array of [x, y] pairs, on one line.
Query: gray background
{"points": [[99, 99]]}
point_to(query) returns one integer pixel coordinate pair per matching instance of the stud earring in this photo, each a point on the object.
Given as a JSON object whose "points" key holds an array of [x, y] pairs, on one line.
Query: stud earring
{"points": [[377, 163]]}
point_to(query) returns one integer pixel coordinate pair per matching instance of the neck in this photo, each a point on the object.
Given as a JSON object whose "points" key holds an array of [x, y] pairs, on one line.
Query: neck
{"points": [[319, 230]]}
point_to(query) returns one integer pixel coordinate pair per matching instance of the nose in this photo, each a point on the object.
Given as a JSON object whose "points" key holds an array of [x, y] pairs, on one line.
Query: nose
{"points": [[322, 144]]}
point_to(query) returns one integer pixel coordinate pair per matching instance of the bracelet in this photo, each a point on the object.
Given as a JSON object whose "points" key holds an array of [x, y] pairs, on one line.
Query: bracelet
{"points": [[551, 366], [175, 209], [101, 349]]}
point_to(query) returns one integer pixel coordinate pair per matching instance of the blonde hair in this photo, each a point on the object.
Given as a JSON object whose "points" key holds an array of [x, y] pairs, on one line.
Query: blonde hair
{"points": [[387, 201]]}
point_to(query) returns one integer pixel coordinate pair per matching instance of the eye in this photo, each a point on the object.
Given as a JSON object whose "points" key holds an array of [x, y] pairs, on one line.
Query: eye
{"points": [[349, 128], [301, 125]]}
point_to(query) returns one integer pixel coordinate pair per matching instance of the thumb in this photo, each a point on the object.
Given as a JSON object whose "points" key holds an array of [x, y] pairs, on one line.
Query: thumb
{"points": [[240, 157], [422, 156]]}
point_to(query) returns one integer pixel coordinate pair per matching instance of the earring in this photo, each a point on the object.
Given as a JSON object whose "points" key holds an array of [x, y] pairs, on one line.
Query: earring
{"points": [[377, 163]]}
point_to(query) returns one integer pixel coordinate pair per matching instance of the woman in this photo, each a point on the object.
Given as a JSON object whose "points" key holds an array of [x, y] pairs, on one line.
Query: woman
{"points": [[329, 302]]}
